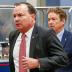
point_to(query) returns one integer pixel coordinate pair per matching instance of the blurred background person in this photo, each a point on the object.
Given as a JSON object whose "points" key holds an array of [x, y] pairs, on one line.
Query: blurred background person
{"points": [[5, 51], [56, 20]]}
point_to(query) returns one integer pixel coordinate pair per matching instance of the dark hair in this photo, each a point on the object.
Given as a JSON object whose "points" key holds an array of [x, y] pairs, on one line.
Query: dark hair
{"points": [[31, 9], [59, 11]]}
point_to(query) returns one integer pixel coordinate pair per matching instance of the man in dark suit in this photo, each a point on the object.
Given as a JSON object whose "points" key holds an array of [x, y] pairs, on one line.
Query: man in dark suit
{"points": [[56, 20], [44, 52]]}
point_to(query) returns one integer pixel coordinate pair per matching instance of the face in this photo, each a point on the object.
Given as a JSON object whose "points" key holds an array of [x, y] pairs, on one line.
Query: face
{"points": [[22, 18], [55, 22]]}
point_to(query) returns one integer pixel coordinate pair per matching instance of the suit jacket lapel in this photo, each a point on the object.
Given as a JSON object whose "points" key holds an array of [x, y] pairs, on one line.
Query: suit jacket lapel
{"points": [[34, 39], [14, 40], [64, 38]]}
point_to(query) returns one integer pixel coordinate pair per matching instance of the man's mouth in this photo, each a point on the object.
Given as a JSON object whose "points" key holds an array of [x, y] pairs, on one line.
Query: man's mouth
{"points": [[17, 24]]}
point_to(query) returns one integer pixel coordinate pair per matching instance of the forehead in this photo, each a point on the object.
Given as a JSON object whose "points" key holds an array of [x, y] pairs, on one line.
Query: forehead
{"points": [[20, 8], [53, 14]]}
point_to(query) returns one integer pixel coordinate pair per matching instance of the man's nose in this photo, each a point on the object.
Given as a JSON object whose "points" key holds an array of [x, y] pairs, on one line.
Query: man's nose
{"points": [[50, 22], [16, 19]]}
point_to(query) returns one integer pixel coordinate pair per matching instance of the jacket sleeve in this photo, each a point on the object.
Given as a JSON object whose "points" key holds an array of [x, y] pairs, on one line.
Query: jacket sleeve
{"points": [[55, 55]]}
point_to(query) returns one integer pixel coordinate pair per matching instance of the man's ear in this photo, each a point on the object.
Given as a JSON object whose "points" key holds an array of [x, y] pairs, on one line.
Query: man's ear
{"points": [[33, 16], [63, 21]]}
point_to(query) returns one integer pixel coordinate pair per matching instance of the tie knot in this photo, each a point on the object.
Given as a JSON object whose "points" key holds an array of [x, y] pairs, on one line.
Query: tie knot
{"points": [[23, 36]]}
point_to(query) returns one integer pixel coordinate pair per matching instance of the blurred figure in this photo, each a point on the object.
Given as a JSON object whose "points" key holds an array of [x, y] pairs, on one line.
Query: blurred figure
{"points": [[43, 50], [5, 51], [56, 20]]}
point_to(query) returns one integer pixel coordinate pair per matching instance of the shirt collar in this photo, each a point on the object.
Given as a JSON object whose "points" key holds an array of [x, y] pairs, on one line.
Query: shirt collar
{"points": [[29, 32]]}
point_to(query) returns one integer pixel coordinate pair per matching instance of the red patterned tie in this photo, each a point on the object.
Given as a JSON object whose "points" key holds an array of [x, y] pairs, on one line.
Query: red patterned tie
{"points": [[22, 53]]}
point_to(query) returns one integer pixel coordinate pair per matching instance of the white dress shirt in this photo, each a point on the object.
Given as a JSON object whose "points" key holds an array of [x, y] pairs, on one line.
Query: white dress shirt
{"points": [[17, 48], [60, 34]]}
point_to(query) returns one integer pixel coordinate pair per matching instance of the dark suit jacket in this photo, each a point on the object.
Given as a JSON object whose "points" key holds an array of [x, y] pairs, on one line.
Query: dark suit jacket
{"points": [[45, 46], [67, 45]]}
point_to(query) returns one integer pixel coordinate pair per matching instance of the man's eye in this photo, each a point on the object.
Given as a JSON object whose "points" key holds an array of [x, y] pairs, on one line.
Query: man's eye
{"points": [[20, 15], [53, 19]]}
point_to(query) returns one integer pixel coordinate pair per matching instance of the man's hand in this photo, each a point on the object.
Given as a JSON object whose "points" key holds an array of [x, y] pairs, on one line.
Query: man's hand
{"points": [[30, 63]]}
